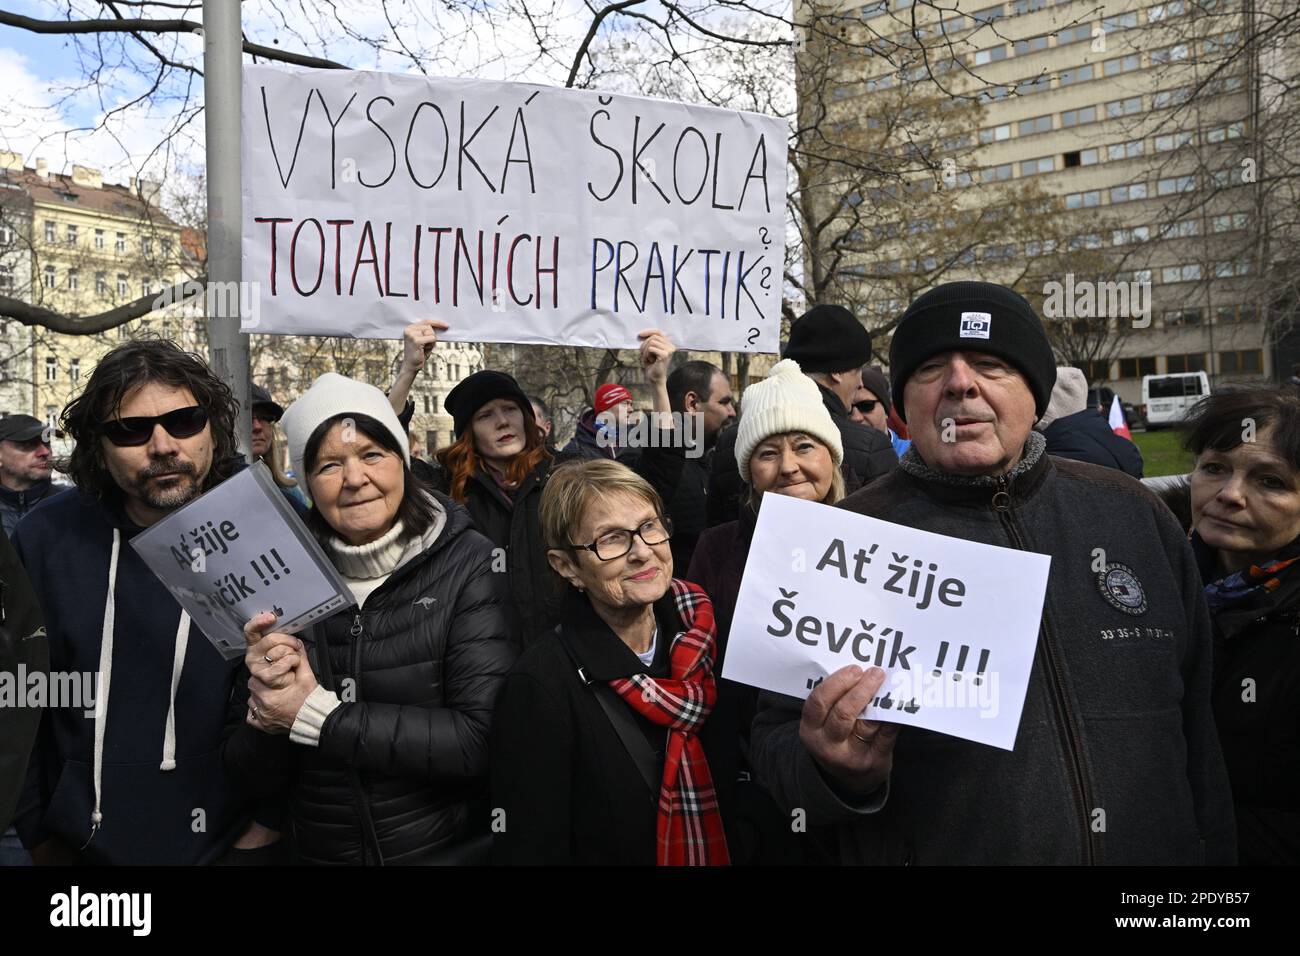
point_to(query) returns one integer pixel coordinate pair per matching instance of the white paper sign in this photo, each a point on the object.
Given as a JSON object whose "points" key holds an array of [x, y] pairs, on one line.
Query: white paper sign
{"points": [[239, 550], [516, 213], [953, 623]]}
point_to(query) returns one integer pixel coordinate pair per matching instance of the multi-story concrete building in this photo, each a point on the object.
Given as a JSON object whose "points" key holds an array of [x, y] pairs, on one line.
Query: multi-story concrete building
{"points": [[15, 282], [1137, 115]]}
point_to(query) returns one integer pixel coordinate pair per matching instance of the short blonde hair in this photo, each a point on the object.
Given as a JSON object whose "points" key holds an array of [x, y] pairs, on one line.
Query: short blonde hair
{"points": [[574, 487], [837, 490]]}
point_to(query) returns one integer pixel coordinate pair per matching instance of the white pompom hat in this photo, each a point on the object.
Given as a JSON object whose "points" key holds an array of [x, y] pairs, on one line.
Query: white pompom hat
{"points": [[330, 395], [786, 401]]}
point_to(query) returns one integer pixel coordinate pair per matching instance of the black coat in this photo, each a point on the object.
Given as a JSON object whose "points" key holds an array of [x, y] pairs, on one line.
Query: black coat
{"points": [[1257, 709], [570, 792], [514, 526], [687, 507], [1086, 436], [405, 756], [868, 454], [22, 644]]}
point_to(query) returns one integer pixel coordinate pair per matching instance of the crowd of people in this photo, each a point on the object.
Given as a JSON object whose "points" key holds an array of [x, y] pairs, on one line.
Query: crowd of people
{"points": [[530, 670]]}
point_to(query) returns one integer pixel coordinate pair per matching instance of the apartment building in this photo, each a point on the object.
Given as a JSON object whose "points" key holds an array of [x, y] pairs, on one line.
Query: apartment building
{"points": [[1136, 116]]}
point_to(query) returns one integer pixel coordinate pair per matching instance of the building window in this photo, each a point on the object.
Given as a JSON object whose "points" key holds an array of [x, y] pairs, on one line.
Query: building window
{"points": [[6, 278], [99, 239], [49, 277], [1083, 200], [1077, 75], [1230, 223], [122, 289], [1126, 237], [1174, 97], [1172, 141], [74, 279], [1137, 367], [167, 248], [146, 246], [120, 246], [1163, 11], [1248, 362], [50, 234], [1192, 362], [1191, 272], [146, 287], [1075, 117], [1232, 131], [1183, 317], [71, 234], [1039, 124], [428, 405], [1074, 34], [1121, 22], [1124, 107], [1032, 167], [1031, 45], [995, 133], [990, 55], [996, 174], [1175, 184], [1122, 64], [1127, 150], [6, 235], [51, 369], [1128, 193], [1027, 6], [74, 370]]}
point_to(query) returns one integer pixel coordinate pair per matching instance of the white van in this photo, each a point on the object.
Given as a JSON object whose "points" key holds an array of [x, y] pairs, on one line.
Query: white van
{"points": [[1168, 398]]}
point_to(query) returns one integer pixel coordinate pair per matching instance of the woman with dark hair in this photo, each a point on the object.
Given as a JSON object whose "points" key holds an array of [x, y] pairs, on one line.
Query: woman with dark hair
{"points": [[498, 466], [377, 723], [1245, 504]]}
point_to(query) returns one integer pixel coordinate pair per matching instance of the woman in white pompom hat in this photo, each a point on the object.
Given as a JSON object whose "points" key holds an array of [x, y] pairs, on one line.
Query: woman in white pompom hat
{"points": [[786, 444]]}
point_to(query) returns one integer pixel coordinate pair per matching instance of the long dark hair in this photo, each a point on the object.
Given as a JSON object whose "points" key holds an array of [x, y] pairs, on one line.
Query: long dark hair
{"points": [[128, 367], [417, 512]]}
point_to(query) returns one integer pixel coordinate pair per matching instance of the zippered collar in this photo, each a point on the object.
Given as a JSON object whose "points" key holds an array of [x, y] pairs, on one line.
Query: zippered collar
{"points": [[26, 498], [988, 491]]}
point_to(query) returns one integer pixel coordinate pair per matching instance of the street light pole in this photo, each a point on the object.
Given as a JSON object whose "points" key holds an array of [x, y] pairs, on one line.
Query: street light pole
{"points": [[228, 347]]}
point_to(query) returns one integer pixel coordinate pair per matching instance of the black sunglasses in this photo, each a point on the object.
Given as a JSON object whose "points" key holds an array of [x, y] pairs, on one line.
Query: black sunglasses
{"points": [[262, 413], [180, 423], [867, 406]]}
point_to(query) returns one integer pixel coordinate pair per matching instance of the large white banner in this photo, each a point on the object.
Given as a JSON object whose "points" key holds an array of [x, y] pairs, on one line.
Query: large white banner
{"points": [[516, 213], [953, 623]]}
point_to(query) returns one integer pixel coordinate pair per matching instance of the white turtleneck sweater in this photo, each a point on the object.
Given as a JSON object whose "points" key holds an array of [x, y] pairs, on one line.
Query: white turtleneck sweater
{"points": [[363, 568]]}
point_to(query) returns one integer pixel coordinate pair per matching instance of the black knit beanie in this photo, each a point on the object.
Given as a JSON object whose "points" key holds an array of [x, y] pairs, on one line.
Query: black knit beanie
{"points": [[973, 317], [479, 389], [827, 338]]}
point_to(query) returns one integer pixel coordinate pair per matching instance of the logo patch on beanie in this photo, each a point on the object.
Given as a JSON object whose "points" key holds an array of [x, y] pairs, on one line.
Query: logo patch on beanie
{"points": [[975, 325]]}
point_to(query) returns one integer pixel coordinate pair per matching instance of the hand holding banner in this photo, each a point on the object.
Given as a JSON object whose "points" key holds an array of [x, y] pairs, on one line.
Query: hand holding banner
{"points": [[825, 588]]}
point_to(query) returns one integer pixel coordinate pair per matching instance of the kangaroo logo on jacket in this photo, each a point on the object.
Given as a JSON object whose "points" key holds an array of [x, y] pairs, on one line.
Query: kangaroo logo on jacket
{"points": [[1120, 586]]}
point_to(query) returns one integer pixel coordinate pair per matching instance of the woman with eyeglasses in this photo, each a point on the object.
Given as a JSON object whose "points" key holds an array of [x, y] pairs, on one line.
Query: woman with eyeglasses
{"points": [[786, 444], [596, 750]]}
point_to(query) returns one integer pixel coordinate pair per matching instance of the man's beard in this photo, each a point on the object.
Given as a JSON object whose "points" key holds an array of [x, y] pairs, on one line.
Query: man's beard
{"points": [[165, 499]]}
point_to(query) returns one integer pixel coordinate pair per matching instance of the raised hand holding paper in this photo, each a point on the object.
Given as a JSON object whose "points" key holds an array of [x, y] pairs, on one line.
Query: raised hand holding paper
{"points": [[239, 550], [825, 588]]}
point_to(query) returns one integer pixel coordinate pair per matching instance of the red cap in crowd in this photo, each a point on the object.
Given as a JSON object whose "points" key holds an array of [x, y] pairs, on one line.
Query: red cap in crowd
{"points": [[609, 395]]}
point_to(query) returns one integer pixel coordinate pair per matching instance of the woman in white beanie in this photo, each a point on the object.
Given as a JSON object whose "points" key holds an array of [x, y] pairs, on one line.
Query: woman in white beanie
{"points": [[376, 724], [786, 444]]}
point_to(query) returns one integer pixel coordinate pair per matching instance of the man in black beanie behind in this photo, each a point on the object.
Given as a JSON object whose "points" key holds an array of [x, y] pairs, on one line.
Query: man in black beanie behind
{"points": [[1116, 759], [831, 347]]}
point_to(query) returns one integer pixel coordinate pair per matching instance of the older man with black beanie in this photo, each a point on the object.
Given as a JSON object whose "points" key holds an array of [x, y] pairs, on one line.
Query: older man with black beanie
{"points": [[831, 347], [1116, 759]]}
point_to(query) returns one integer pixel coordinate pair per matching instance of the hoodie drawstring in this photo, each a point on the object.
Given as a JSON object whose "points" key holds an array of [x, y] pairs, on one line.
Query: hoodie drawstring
{"points": [[105, 681], [178, 664]]}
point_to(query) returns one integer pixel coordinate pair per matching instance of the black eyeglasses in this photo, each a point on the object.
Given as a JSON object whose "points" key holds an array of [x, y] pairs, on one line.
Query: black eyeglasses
{"points": [[615, 544], [180, 423], [867, 406]]}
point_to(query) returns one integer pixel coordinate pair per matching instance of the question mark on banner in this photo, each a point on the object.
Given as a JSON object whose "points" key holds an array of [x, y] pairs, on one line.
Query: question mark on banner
{"points": [[763, 237], [767, 275], [753, 334]]}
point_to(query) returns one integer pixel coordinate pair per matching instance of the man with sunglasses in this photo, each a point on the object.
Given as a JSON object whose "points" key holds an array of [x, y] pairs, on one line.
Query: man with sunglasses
{"points": [[134, 777], [26, 467], [871, 407]]}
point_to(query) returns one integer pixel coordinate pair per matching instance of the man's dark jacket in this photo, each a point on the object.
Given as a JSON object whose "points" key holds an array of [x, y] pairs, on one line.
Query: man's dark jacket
{"points": [[584, 443], [24, 651], [15, 504], [1086, 436], [400, 772], [1116, 759], [868, 454]]}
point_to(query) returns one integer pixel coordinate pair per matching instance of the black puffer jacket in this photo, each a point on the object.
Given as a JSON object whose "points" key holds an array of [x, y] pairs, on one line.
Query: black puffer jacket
{"points": [[401, 770], [1086, 436], [514, 525]]}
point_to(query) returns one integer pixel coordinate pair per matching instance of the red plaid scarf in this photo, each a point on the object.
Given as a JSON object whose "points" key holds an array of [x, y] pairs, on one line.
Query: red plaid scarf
{"points": [[690, 828]]}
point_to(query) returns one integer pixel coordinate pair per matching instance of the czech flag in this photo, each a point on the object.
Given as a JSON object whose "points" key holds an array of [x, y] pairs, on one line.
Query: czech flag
{"points": [[1117, 423]]}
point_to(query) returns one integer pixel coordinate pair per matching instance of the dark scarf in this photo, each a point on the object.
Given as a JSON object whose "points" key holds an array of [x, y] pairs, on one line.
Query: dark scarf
{"points": [[1258, 587]]}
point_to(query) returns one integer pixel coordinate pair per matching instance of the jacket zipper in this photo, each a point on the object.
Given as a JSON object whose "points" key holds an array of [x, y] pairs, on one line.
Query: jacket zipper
{"points": [[1002, 505]]}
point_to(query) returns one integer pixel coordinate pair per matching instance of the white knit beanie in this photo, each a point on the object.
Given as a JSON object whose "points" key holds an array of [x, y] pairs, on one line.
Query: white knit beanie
{"points": [[330, 395], [786, 401]]}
